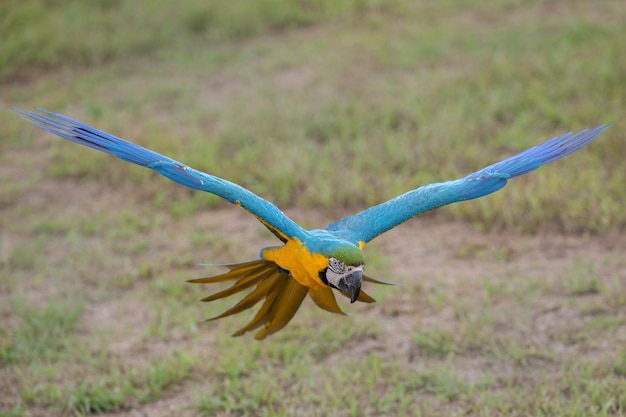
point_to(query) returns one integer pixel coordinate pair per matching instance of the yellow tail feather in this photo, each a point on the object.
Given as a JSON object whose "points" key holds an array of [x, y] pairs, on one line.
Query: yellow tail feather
{"points": [[282, 295]]}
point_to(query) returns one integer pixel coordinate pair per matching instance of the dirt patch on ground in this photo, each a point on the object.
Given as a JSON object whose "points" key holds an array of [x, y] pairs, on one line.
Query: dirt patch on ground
{"points": [[466, 291], [454, 259], [431, 257]]}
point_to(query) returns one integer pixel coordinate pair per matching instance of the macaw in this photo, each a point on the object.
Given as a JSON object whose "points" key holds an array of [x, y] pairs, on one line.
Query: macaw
{"points": [[309, 262]]}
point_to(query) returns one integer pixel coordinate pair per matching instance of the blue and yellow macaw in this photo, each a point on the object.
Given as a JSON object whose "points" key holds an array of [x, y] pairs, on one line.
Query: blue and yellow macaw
{"points": [[313, 262]]}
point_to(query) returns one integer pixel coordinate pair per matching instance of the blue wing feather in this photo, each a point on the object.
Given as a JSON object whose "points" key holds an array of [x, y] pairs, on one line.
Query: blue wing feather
{"points": [[91, 137], [375, 220], [361, 227]]}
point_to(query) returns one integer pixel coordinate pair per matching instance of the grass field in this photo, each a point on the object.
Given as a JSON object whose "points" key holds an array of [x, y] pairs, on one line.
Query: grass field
{"points": [[511, 305]]}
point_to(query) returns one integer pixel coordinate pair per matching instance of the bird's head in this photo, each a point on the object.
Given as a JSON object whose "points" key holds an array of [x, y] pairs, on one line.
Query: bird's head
{"points": [[345, 271]]}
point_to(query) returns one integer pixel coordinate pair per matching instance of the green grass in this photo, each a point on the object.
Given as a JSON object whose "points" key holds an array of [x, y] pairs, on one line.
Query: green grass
{"points": [[424, 94], [323, 107], [41, 333], [436, 343], [90, 34]]}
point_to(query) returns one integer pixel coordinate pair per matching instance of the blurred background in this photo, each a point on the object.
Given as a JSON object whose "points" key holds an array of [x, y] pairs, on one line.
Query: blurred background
{"points": [[323, 107]]}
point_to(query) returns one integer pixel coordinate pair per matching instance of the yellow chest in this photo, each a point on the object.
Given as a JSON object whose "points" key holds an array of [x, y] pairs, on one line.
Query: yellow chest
{"points": [[296, 258]]}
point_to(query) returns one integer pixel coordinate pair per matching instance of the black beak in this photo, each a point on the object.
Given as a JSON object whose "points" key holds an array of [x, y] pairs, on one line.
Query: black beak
{"points": [[351, 284]]}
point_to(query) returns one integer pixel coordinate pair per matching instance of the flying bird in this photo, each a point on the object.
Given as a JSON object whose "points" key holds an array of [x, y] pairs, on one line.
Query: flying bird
{"points": [[309, 262]]}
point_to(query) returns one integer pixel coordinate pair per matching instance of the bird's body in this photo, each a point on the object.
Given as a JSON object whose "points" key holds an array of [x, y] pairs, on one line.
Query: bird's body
{"points": [[302, 262], [310, 262]]}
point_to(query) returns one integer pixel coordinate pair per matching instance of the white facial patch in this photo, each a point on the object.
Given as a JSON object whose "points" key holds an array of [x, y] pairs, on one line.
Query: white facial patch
{"points": [[338, 270]]}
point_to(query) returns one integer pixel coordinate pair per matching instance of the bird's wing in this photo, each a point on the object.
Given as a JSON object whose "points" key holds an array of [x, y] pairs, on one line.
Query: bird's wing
{"points": [[75, 131], [375, 220]]}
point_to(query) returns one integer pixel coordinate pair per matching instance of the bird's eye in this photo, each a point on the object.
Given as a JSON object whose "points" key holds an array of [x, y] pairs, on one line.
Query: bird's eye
{"points": [[336, 266]]}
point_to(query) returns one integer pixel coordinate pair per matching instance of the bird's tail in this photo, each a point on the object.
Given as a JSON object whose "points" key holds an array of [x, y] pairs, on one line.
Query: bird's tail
{"points": [[91, 137], [282, 294]]}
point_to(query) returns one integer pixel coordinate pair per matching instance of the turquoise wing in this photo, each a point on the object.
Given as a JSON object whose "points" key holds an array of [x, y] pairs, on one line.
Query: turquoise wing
{"points": [[75, 131], [375, 220]]}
